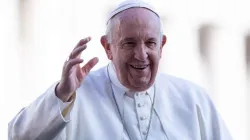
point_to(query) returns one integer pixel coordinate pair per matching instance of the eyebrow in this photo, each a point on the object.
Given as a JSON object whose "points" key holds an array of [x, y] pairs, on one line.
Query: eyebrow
{"points": [[133, 39], [152, 39], [127, 39]]}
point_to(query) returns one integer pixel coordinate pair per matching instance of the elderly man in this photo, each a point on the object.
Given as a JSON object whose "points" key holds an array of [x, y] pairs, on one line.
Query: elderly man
{"points": [[127, 99]]}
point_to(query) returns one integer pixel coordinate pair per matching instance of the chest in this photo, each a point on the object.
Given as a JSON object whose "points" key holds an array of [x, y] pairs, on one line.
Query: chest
{"points": [[97, 117]]}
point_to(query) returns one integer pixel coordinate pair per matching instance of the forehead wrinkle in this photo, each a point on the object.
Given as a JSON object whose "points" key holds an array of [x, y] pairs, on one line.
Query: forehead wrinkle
{"points": [[136, 17]]}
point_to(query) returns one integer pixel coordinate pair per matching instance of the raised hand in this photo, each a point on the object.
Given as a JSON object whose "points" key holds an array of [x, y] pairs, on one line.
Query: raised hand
{"points": [[73, 74]]}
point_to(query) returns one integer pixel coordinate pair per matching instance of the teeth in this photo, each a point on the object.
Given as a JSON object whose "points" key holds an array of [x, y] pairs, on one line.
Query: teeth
{"points": [[139, 66]]}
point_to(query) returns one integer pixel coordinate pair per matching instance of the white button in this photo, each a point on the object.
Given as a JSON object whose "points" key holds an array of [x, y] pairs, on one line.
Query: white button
{"points": [[143, 118], [140, 105], [144, 133]]}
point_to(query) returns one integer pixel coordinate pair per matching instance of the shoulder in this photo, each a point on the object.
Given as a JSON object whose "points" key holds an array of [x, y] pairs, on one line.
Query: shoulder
{"points": [[177, 83], [95, 78], [186, 94], [99, 73], [184, 89]]}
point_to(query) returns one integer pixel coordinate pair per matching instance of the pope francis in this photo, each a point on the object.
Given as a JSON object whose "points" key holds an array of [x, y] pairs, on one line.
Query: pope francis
{"points": [[125, 100]]}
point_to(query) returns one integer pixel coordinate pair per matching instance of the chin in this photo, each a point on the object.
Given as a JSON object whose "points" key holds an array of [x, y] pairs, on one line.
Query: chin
{"points": [[140, 85], [142, 88]]}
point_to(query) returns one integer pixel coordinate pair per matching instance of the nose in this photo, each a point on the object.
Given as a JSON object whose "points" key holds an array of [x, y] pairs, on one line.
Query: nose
{"points": [[141, 52]]}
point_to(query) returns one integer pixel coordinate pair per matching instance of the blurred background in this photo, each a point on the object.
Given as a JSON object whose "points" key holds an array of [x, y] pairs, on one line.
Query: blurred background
{"points": [[208, 43]]}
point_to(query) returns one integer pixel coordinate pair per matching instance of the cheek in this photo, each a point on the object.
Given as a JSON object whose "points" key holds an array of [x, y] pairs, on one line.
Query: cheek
{"points": [[155, 56], [121, 63], [124, 56]]}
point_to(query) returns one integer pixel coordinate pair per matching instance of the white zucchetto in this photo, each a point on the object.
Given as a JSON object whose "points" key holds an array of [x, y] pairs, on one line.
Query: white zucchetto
{"points": [[130, 4]]}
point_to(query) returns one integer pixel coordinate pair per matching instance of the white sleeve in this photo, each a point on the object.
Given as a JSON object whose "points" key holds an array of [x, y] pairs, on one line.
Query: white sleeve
{"points": [[42, 119], [65, 107]]}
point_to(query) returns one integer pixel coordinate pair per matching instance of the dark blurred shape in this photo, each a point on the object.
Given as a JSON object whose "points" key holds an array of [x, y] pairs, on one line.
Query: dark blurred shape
{"points": [[205, 36], [25, 19], [247, 50], [247, 59]]}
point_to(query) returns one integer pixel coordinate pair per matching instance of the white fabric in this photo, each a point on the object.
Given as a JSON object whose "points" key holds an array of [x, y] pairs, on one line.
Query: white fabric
{"points": [[130, 4], [184, 111], [62, 106], [133, 112]]}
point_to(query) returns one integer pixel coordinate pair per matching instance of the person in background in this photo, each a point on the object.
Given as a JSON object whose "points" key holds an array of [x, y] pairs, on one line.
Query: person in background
{"points": [[127, 99]]}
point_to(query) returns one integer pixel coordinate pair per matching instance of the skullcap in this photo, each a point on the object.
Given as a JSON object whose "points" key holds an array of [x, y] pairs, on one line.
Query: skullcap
{"points": [[130, 4]]}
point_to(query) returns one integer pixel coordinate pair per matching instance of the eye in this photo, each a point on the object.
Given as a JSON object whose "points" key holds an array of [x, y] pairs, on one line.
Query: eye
{"points": [[129, 44], [151, 43]]}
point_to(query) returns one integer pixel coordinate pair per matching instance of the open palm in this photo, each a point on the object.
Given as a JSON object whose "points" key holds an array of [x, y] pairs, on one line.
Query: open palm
{"points": [[73, 74]]}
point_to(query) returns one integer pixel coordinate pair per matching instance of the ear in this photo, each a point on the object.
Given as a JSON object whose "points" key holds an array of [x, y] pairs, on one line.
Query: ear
{"points": [[106, 46], [163, 42]]}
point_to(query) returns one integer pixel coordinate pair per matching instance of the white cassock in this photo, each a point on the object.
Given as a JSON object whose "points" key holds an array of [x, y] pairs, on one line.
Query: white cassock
{"points": [[103, 109]]}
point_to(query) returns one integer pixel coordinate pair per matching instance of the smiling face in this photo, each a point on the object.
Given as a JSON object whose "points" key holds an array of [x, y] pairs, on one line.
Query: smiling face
{"points": [[136, 47]]}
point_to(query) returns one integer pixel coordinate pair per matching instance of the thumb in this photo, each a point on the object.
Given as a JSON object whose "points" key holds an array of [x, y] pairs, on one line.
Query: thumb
{"points": [[89, 65]]}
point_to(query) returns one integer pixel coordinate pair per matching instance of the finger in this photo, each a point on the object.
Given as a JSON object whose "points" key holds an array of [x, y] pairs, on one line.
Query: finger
{"points": [[71, 63], [77, 52], [79, 44], [83, 41], [91, 63]]}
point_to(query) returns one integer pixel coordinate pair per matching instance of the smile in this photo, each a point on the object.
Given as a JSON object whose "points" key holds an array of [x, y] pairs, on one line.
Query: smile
{"points": [[139, 67]]}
